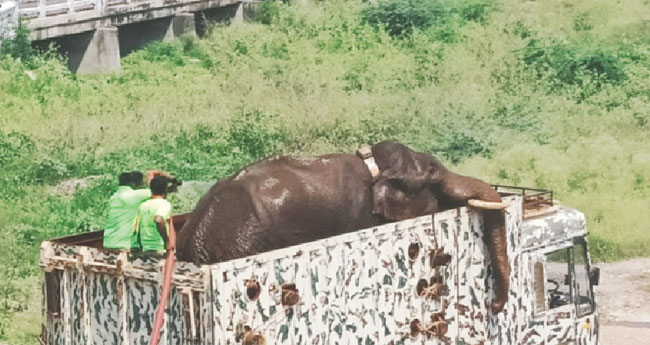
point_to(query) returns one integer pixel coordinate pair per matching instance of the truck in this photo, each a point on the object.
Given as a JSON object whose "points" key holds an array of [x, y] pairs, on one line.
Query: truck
{"points": [[426, 280]]}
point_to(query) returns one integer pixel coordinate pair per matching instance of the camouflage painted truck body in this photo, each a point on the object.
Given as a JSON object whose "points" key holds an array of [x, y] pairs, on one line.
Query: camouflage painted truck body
{"points": [[363, 287]]}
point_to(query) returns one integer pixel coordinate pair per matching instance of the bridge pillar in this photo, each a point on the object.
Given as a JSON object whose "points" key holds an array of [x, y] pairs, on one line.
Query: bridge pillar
{"points": [[95, 51], [182, 24], [233, 13]]}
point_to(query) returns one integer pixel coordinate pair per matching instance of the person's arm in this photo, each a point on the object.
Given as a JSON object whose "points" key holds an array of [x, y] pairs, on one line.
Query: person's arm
{"points": [[153, 173], [141, 195], [162, 229], [162, 216]]}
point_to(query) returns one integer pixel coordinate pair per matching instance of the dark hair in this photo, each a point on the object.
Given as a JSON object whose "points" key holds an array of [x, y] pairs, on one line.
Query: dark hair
{"points": [[137, 178], [125, 179], [159, 185], [131, 178]]}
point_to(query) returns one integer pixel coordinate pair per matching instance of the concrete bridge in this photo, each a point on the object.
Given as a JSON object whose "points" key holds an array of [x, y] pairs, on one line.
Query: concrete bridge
{"points": [[95, 33]]}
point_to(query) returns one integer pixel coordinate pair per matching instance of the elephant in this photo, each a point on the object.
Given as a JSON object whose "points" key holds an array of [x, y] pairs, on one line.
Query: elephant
{"points": [[283, 201]]}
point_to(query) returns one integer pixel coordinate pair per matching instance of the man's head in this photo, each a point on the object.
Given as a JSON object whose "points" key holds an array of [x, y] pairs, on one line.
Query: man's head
{"points": [[158, 185], [131, 178]]}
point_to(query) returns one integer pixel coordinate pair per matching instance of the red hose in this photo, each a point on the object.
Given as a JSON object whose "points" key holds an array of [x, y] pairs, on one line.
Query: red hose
{"points": [[166, 288]]}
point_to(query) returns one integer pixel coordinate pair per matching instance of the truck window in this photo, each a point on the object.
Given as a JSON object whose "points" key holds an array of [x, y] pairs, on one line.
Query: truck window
{"points": [[584, 298], [53, 291], [558, 278], [539, 286]]}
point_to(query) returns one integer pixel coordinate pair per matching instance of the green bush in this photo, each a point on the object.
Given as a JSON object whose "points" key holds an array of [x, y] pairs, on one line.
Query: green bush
{"points": [[604, 250], [256, 134], [476, 10], [440, 18], [459, 146], [13, 145], [571, 64], [400, 17], [267, 12], [19, 46]]}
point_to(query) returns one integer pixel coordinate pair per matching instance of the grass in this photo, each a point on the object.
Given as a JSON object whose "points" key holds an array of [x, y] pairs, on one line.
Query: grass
{"points": [[548, 94]]}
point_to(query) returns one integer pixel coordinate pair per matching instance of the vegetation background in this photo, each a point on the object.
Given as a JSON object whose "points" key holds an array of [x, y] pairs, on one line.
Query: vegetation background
{"points": [[549, 94]]}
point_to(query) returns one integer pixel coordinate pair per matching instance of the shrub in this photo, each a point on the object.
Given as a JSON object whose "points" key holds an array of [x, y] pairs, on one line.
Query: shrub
{"points": [[12, 145], [572, 64], [163, 51], [267, 12], [476, 10], [48, 170], [441, 18], [460, 146], [19, 46], [604, 250], [400, 17], [256, 134]]}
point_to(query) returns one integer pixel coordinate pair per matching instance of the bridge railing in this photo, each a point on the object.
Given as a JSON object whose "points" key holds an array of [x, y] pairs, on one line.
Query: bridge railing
{"points": [[8, 18], [31, 9], [39, 9], [53, 18]]}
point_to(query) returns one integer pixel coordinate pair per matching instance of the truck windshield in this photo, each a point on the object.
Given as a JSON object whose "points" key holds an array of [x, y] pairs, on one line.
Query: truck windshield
{"points": [[558, 282]]}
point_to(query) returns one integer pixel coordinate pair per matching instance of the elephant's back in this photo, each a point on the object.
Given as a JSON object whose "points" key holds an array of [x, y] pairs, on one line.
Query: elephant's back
{"points": [[278, 202]]}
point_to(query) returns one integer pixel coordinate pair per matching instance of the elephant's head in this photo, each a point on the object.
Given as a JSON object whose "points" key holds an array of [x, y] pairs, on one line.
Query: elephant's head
{"points": [[412, 184], [407, 182]]}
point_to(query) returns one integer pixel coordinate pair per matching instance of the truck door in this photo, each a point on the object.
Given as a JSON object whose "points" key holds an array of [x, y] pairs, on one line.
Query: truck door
{"points": [[560, 310], [564, 310]]}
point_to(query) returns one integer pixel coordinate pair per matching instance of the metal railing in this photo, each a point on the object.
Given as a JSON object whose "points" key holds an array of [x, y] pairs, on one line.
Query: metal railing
{"points": [[533, 198]]}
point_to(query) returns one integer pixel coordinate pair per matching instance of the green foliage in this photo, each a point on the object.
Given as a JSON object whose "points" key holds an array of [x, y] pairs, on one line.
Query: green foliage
{"points": [[476, 10], [401, 17], [19, 46], [256, 134], [461, 146], [441, 18], [13, 145], [267, 12], [604, 250], [572, 64]]}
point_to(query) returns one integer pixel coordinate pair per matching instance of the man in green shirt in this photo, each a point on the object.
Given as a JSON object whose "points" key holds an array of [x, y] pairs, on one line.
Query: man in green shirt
{"points": [[122, 210], [153, 215]]}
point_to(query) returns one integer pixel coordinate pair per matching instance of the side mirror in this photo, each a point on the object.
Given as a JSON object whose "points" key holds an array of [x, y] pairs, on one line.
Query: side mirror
{"points": [[594, 276]]}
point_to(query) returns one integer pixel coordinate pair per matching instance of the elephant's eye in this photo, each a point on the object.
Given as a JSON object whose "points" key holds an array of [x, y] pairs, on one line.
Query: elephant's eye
{"points": [[399, 185]]}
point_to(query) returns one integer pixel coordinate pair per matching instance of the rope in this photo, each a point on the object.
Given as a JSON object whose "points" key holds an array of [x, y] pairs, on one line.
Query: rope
{"points": [[166, 288]]}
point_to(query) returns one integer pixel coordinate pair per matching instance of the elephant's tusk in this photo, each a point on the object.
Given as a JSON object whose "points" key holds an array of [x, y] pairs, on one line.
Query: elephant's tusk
{"points": [[487, 205]]}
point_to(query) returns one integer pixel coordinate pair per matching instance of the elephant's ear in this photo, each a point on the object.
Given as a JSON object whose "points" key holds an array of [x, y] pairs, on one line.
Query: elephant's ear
{"points": [[403, 188], [398, 196]]}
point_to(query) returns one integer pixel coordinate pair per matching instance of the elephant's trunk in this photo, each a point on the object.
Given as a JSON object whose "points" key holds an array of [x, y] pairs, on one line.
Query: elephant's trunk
{"points": [[495, 237], [460, 189]]}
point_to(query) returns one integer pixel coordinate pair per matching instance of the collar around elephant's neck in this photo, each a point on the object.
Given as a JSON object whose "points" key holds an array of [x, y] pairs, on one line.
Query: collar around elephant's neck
{"points": [[365, 153]]}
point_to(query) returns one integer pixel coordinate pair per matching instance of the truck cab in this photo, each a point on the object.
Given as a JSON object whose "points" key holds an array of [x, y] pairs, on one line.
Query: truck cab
{"points": [[554, 243]]}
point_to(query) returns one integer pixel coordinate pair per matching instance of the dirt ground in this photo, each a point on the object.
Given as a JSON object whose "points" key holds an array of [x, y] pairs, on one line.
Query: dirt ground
{"points": [[623, 298]]}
